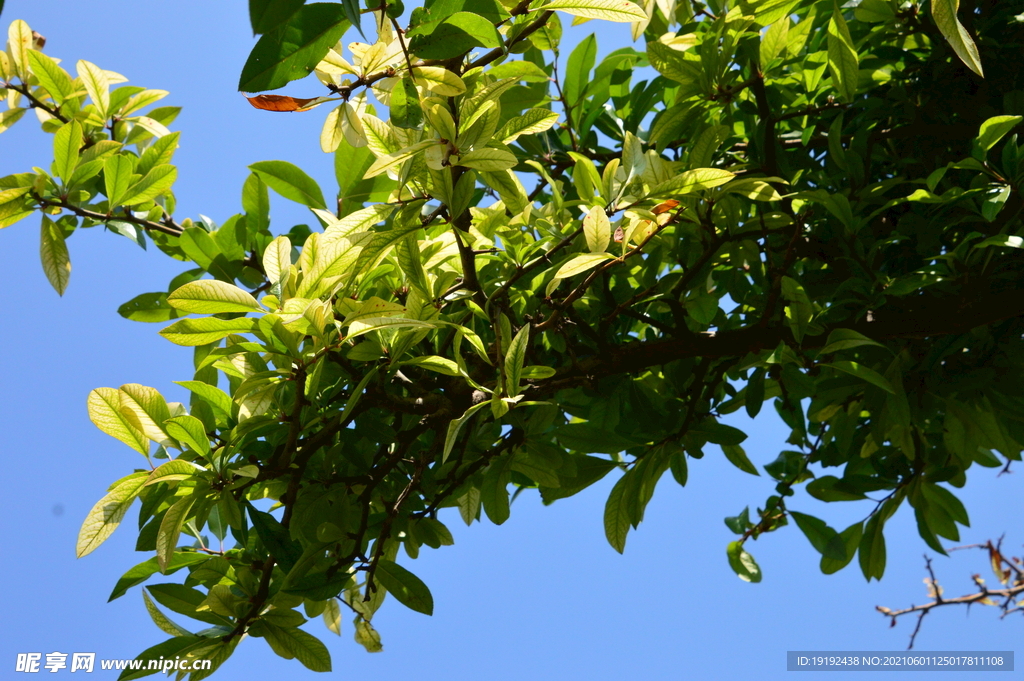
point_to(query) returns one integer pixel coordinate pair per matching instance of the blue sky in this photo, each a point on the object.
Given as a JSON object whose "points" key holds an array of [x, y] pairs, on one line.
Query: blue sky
{"points": [[541, 597]]}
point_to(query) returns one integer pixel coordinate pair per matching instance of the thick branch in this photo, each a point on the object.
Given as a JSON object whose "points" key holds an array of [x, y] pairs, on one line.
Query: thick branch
{"points": [[931, 317]]}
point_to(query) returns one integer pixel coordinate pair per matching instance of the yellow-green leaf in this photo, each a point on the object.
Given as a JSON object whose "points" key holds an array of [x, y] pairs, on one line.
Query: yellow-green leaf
{"points": [[289, 642], [488, 159], [384, 163], [51, 76], [53, 253], [146, 409], [10, 117], [19, 37], [332, 616], [161, 620], [106, 515], [105, 412], [597, 230], [96, 84], [842, 56], [621, 11], [693, 181], [156, 182], [277, 258], [531, 122], [210, 296], [192, 332], [944, 14], [117, 174], [189, 430], [170, 530], [862, 372], [174, 470], [66, 144], [582, 263], [440, 80]]}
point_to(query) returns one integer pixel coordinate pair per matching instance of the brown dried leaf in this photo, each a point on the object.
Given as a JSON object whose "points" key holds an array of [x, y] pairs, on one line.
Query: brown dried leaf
{"points": [[284, 102], [665, 207]]}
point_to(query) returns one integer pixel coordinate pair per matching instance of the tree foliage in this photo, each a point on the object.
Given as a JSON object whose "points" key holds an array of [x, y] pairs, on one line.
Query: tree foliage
{"points": [[542, 269]]}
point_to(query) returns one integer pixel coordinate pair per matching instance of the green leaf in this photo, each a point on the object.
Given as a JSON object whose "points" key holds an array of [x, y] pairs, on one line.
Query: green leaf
{"points": [[275, 537], [291, 643], [616, 515], [944, 14], [767, 11], [589, 469], [738, 524], [862, 372], [452, 36], [874, 11], [754, 395], [842, 56], [148, 307], [266, 15], [293, 50], [592, 439], [209, 296], [738, 457], [174, 647], [291, 182], [161, 620], [774, 41], [823, 538], [514, 360], [117, 174], [842, 339], [108, 512], [851, 540], [673, 65], [185, 600], [148, 568], [405, 586], [577, 70], [105, 412], [53, 252], [192, 332], [621, 11], [871, 553], [455, 426], [256, 204], [406, 111], [66, 144], [742, 563], [830, 488], [994, 129], [189, 430]]}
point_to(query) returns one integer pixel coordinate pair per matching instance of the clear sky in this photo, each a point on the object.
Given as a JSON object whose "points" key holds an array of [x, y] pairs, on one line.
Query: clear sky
{"points": [[541, 597]]}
